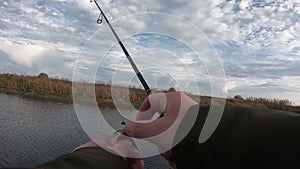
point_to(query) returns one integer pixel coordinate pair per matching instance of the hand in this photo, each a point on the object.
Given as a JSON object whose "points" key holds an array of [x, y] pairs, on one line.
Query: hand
{"points": [[161, 132], [123, 147]]}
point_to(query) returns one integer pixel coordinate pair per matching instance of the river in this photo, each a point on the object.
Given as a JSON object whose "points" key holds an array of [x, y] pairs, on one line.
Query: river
{"points": [[34, 132]]}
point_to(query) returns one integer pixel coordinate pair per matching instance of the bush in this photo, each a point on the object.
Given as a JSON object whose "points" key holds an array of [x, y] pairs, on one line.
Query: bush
{"points": [[43, 75], [238, 97]]}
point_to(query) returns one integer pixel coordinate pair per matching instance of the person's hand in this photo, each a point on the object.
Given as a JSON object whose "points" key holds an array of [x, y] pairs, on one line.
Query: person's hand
{"points": [[123, 147], [161, 132]]}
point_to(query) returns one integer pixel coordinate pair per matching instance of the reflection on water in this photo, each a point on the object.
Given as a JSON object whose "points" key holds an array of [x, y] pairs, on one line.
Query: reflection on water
{"points": [[33, 132]]}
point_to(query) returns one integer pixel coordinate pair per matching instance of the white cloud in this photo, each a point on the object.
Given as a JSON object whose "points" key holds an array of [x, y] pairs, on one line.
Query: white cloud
{"points": [[230, 85], [23, 54], [256, 39]]}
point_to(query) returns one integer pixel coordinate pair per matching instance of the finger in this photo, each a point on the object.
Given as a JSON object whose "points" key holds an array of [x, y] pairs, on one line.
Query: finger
{"points": [[151, 105], [145, 105], [168, 155], [161, 131], [158, 132], [86, 145], [126, 149], [145, 113], [135, 163], [147, 130], [155, 103], [158, 102]]}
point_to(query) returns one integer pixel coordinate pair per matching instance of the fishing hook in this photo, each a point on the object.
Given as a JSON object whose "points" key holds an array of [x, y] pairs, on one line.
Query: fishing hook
{"points": [[123, 123]]}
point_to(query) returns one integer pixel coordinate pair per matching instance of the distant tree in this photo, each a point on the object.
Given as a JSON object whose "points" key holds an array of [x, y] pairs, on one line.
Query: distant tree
{"points": [[172, 89], [43, 75], [238, 97]]}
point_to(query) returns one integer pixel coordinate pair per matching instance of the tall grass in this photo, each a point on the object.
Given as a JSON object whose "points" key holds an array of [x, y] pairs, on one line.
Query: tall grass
{"points": [[279, 104], [42, 86], [34, 86]]}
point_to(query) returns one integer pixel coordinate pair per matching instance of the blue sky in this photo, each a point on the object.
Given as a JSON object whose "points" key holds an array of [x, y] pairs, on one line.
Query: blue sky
{"points": [[257, 43]]}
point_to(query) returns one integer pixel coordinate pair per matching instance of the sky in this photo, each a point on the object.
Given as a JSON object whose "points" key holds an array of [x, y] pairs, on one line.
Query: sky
{"points": [[214, 47]]}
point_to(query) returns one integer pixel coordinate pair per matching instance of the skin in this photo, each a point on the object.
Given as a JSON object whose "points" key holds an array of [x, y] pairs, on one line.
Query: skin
{"points": [[271, 136], [161, 132]]}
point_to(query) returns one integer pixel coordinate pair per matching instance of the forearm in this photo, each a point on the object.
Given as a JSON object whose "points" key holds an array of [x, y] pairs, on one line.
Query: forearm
{"points": [[244, 138]]}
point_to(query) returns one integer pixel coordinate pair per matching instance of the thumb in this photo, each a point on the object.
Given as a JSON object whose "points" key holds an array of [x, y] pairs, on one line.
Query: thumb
{"points": [[147, 129], [151, 105], [130, 130]]}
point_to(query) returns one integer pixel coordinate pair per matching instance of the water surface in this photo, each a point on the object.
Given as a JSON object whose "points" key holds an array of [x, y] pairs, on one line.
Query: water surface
{"points": [[34, 132]]}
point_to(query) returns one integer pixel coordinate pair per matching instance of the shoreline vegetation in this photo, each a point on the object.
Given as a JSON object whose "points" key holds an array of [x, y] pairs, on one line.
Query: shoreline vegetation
{"points": [[44, 88]]}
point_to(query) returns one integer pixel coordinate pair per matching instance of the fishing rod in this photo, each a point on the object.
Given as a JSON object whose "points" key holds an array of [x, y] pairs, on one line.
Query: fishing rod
{"points": [[135, 68]]}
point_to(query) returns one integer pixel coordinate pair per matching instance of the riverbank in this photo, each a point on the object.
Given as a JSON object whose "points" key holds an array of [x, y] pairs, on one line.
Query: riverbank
{"points": [[44, 88], [109, 104]]}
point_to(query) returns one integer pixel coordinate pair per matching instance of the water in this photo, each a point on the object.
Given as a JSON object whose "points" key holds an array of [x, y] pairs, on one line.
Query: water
{"points": [[34, 132]]}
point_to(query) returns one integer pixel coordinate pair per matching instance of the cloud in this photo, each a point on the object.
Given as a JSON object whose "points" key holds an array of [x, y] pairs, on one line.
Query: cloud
{"points": [[8, 66], [229, 86], [22, 54], [258, 41]]}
